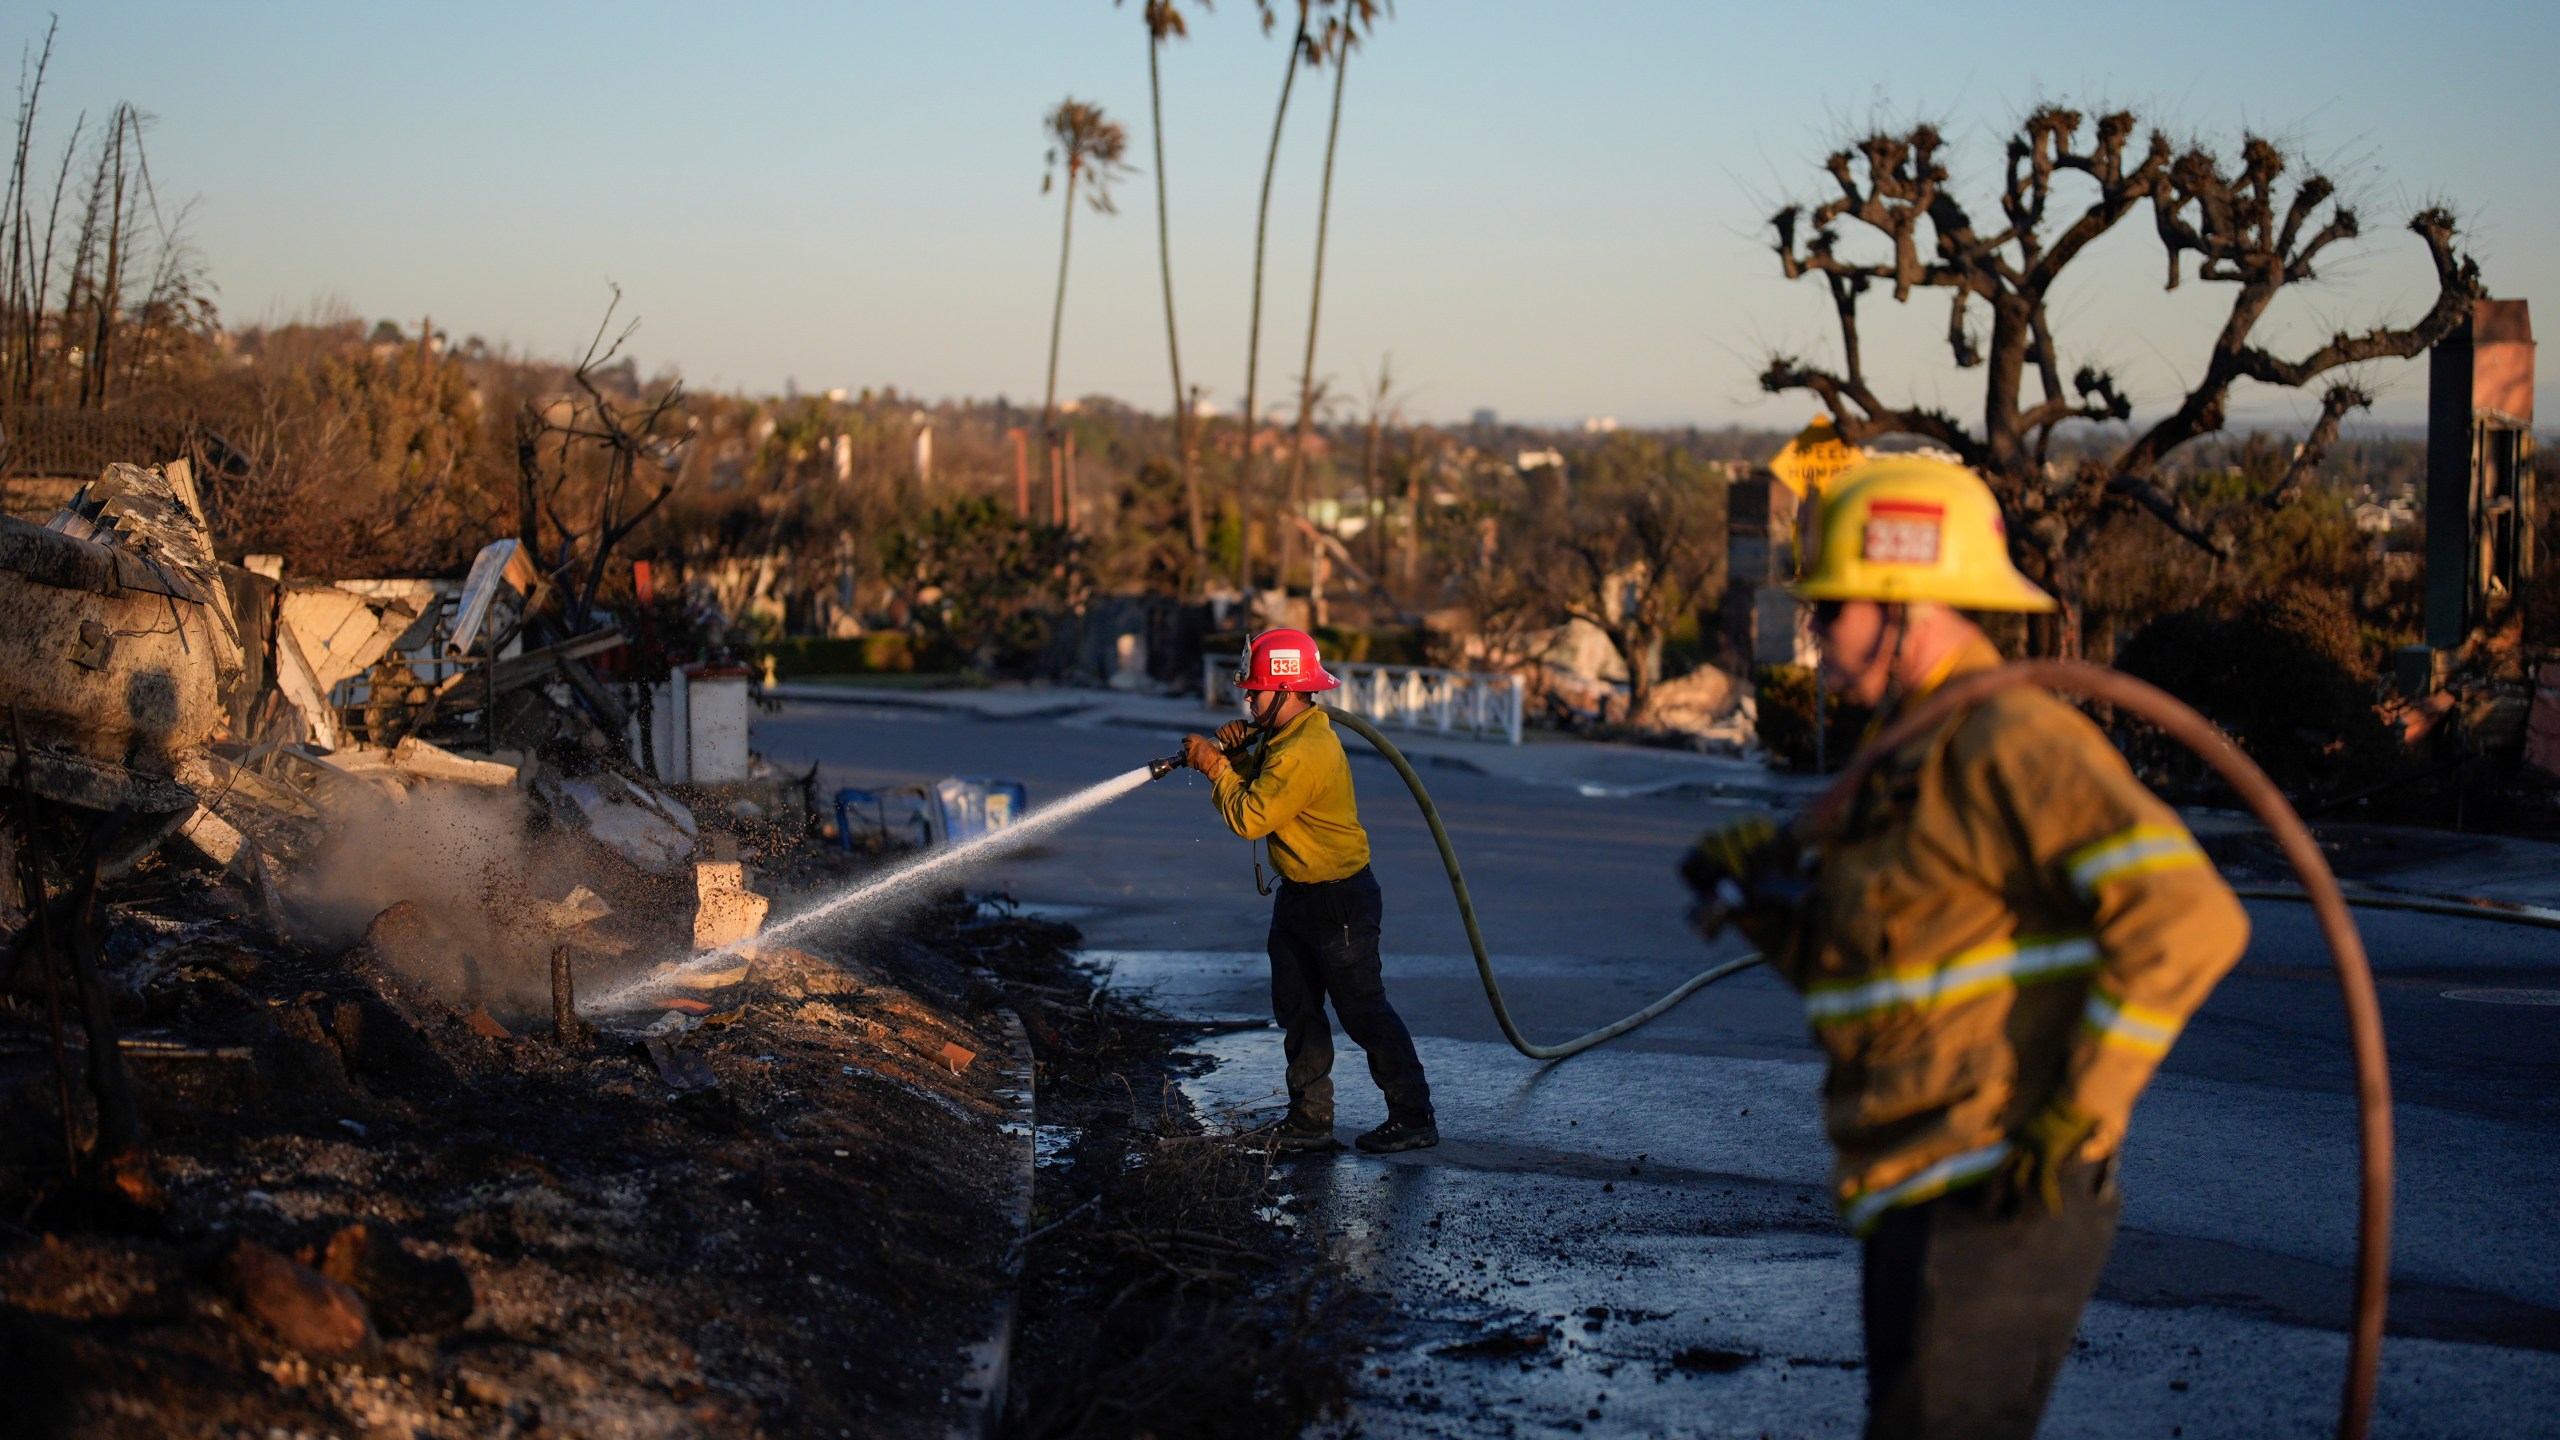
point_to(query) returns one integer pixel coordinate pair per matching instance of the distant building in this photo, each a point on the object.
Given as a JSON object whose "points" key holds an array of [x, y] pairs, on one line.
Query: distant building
{"points": [[1599, 424], [1484, 418], [2381, 517]]}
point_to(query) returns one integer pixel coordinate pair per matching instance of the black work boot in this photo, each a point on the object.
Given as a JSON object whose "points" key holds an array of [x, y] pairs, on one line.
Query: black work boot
{"points": [[1298, 1133], [1400, 1135]]}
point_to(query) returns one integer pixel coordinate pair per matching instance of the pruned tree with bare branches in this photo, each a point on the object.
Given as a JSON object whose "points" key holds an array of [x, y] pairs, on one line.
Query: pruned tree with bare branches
{"points": [[2065, 184], [591, 467]]}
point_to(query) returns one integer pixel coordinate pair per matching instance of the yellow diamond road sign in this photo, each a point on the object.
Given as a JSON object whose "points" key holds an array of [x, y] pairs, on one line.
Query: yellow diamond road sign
{"points": [[1812, 459]]}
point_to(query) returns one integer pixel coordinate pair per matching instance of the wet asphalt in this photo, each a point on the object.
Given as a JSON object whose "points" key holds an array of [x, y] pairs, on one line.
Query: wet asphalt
{"points": [[1636, 1242]]}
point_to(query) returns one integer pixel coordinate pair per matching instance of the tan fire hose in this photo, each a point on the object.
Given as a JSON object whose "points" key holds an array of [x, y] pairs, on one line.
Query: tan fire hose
{"points": [[2319, 888], [1475, 936]]}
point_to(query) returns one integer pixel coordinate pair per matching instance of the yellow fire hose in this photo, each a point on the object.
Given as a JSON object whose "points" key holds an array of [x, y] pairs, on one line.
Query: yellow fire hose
{"points": [[2319, 888], [1475, 936]]}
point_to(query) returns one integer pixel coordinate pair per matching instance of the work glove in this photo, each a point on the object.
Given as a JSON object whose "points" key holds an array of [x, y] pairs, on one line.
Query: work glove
{"points": [[2038, 1150], [1234, 735], [1736, 868], [1202, 754]]}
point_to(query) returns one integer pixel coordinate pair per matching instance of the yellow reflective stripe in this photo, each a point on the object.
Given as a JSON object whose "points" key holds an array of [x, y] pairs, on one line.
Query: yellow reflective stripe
{"points": [[2141, 850], [2138, 1028], [1974, 972], [1864, 1210]]}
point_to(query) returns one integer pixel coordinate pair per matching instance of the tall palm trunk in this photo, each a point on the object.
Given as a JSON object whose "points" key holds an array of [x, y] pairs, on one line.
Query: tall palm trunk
{"points": [[1373, 509], [1057, 318], [1182, 457], [1253, 338], [1410, 563], [1315, 305]]}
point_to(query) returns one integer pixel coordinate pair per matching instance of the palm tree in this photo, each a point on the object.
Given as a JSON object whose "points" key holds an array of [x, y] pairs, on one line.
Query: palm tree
{"points": [[1089, 146], [1301, 45], [1340, 35], [1164, 21], [1382, 413]]}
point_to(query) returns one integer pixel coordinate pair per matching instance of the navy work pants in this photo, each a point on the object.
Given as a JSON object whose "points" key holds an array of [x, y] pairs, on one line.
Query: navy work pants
{"points": [[1324, 946], [1970, 1312]]}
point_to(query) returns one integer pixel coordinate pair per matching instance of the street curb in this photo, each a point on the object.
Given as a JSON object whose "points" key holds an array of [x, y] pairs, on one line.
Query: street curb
{"points": [[917, 700], [2384, 897], [1711, 778], [990, 1361]]}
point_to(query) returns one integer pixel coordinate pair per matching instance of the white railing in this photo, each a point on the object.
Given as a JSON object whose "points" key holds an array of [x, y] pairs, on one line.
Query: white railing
{"points": [[1411, 697]]}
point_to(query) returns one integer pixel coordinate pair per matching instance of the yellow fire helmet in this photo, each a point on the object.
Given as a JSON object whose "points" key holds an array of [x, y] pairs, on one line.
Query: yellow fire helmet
{"points": [[1905, 528]]}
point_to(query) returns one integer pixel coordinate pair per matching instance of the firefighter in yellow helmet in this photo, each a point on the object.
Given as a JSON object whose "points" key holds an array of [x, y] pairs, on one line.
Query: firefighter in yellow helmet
{"points": [[1996, 946]]}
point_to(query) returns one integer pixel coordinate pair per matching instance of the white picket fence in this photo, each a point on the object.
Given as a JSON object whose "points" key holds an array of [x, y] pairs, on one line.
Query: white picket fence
{"points": [[1409, 697]]}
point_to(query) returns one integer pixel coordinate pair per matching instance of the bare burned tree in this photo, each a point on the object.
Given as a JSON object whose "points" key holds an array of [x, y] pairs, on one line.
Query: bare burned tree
{"points": [[2238, 221], [593, 466], [131, 294], [1630, 556]]}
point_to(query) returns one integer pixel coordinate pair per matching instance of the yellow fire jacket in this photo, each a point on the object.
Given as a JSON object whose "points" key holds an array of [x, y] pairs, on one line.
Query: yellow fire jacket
{"points": [[2005, 916], [1298, 795]]}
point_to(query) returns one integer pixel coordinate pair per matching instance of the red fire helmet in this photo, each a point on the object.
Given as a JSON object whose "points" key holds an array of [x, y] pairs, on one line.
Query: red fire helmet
{"points": [[1284, 660]]}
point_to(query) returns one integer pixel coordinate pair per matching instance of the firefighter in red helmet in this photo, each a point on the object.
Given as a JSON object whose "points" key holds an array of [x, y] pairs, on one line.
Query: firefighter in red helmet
{"points": [[1293, 791]]}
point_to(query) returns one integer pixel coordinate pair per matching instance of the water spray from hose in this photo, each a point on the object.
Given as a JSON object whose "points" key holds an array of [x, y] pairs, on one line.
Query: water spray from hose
{"points": [[897, 888]]}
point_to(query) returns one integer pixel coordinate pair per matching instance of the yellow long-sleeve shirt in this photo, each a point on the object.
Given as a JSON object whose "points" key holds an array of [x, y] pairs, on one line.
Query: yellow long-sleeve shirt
{"points": [[1298, 794], [2006, 917]]}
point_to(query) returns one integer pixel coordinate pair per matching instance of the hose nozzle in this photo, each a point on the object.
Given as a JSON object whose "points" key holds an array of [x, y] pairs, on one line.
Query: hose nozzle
{"points": [[1158, 769]]}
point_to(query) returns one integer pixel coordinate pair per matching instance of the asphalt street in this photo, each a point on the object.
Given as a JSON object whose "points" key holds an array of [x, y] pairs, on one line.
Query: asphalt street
{"points": [[1636, 1242]]}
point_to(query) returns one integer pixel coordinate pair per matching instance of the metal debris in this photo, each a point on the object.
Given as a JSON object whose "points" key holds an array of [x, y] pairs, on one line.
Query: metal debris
{"points": [[649, 830], [682, 1070]]}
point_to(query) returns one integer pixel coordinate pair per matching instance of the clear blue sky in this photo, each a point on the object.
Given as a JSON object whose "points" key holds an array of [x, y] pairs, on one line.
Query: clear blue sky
{"points": [[1551, 209]]}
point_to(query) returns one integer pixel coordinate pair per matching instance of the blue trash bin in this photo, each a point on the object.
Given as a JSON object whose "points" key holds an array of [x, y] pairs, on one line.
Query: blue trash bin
{"points": [[972, 808], [899, 815]]}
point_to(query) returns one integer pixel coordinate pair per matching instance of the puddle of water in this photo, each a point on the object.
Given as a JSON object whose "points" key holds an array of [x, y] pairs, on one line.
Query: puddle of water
{"points": [[1046, 911], [1050, 1143], [2506, 997]]}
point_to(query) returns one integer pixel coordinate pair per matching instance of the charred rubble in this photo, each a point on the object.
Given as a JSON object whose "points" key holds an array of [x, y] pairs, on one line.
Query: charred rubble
{"points": [[300, 1121]]}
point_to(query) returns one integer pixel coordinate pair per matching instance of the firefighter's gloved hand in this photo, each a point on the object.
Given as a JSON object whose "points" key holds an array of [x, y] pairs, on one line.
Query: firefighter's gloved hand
{"points": [[1202, 754], [1730, 868], [2038, 1151], [1233, 735]]}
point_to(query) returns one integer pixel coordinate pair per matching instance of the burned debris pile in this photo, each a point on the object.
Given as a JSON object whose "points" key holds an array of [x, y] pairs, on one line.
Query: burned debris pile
{"points": [[310, 1119]]}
